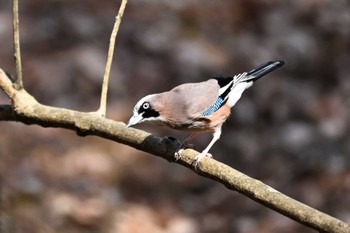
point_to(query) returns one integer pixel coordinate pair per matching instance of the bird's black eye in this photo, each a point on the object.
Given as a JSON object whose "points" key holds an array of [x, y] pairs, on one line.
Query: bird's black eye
{"points": [[145, 105]]}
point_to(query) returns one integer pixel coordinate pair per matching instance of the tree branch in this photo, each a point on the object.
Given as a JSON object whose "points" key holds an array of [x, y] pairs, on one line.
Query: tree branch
{"points": [[26, 109]]}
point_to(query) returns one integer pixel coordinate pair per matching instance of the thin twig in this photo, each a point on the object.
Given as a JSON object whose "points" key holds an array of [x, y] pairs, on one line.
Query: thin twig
{"points": [[16, 43], [118, 19]]}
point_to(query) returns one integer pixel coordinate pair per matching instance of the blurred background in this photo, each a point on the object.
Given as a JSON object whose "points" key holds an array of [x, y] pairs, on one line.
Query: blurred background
{"points": [[290, 130]]}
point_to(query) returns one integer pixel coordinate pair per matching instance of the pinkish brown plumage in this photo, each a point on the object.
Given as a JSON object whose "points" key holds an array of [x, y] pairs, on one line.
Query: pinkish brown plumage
{"points": [[198, 107]]}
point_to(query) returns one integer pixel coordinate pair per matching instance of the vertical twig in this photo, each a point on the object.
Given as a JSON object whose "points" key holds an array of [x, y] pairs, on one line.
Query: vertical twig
{"points": [[17, 55], [118, 19]]}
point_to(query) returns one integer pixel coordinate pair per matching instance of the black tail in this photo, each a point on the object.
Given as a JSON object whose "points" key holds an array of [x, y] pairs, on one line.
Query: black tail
{"points": [[264, 69]]}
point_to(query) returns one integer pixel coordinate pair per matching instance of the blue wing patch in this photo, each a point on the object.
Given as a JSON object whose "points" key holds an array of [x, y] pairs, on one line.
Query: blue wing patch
{"points": [[215, 106]]}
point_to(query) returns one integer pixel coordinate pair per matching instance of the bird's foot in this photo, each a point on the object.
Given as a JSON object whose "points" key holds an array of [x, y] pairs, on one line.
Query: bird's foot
{"points": [[181, 148], [199, 157], [178, 154]]}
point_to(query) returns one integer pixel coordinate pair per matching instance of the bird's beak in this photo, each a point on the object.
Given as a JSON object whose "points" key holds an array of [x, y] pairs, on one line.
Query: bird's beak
{"points": [[134, 120]]}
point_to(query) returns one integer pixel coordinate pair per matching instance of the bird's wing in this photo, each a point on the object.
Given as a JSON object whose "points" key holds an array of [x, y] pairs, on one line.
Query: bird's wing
{"points": [[189, 100]]}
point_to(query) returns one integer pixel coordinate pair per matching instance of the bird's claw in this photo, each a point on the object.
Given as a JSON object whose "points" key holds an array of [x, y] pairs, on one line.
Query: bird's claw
{"points": [[199, 157], [181, 148], [196, 160], [178, 154]]}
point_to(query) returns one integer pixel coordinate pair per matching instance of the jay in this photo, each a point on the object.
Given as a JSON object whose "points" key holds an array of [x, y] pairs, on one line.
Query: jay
{"points": [[198, 107]]}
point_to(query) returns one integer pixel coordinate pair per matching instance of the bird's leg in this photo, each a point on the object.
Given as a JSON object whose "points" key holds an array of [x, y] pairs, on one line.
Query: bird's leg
{"points": [[199, 157], [188, 139], [179, 149]]}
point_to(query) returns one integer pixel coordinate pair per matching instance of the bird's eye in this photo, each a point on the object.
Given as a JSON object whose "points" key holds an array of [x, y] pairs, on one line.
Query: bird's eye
{"points": [[145, 105]]}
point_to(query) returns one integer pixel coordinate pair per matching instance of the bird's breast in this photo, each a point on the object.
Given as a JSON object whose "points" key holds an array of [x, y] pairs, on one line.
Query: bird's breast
{"points": [[201, 123]]}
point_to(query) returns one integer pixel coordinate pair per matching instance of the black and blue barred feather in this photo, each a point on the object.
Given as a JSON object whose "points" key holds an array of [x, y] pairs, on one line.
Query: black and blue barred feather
{"points": [[218, 103], [226, 84]]}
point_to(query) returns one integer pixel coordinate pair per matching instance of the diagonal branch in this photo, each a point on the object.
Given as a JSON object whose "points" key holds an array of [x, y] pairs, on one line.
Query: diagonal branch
{"points": [[27, 110], [102, 110]]}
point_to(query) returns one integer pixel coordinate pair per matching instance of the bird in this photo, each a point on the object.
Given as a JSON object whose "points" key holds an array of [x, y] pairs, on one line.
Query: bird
{"points": [[198, 107]]}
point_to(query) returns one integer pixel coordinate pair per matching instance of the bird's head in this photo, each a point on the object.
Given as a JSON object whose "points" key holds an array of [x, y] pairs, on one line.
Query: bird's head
{"points": [[145, 110]]}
